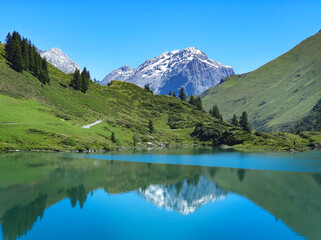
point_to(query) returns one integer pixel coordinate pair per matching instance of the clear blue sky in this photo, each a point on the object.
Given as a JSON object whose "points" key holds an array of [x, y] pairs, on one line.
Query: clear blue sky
{"points": [[104, 35]]}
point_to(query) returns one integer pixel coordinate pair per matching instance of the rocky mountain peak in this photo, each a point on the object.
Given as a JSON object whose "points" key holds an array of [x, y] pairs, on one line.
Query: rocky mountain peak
{"points": [[60, 60], [189, 67]]}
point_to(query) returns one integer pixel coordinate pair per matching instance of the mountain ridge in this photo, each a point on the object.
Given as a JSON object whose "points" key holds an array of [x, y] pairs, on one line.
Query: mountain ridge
{"points": [[189, 67]]}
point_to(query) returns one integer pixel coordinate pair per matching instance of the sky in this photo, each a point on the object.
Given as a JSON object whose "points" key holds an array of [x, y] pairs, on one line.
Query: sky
{"points": [[105, 35]]}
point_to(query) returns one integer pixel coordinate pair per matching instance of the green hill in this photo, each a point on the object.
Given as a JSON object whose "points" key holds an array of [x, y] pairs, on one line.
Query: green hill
{"points": [[39, 116], [277, 95]]}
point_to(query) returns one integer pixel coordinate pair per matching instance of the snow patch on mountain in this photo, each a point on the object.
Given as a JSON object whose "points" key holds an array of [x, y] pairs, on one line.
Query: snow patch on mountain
{"points": [[60, 60], [190, 68]]}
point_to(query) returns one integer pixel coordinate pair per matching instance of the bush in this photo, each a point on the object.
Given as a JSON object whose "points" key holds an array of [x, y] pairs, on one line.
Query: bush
{"points": [[69, 142]]}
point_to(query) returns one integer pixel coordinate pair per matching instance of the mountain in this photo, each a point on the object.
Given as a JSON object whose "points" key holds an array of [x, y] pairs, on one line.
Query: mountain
{"points": [[186, 199], [190, 68], [37, 116], [277, 95], [60, 60]]}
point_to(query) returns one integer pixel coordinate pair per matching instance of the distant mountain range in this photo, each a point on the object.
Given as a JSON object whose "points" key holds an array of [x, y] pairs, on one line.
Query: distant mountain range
{"points": [[60, 60], [278, 95], [190, 68], [184, 199]]}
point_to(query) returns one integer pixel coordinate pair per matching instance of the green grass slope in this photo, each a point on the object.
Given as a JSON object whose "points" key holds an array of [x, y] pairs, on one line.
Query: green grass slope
{"points": [[34, 116], [277, 95], [37, 116]]}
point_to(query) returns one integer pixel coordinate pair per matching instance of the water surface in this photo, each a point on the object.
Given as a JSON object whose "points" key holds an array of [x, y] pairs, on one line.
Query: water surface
{"points": [[181, 193]]}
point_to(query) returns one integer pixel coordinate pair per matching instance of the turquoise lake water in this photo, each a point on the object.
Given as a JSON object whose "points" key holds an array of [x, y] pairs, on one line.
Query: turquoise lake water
{"points": [[175, 193]]}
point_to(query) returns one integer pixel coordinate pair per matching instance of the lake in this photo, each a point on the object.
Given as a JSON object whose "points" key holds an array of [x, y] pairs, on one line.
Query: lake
{"points": [[169, 193]]}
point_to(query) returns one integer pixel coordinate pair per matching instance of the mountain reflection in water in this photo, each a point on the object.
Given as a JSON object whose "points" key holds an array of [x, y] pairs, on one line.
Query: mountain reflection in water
{"points": [[184, 197], [31, 183]]}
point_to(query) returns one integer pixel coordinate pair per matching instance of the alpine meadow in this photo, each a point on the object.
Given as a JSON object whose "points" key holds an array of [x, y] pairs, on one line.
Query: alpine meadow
{"points": [[39, 115]]}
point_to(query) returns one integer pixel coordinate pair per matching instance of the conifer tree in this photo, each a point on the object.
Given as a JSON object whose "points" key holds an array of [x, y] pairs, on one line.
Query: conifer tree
{"points": [[76, 80], [192, 100], [8, 48], [174, 94], [198, 103], [182, 94], [22, 55], [15, 52], [25, 53], [32, 62], [148, 89], [43, 72], [151, 126], [215, 112], [170, 93], [85, 79], [38, 66], [235, 121], [244, 123]]}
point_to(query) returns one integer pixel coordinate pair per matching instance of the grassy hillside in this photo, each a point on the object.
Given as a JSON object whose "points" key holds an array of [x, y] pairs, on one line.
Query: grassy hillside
{"points": [[277, 95], [50, 117], [37, 116]]}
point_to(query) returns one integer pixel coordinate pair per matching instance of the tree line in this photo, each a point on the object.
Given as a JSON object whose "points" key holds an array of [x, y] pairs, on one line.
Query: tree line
{"points": [[23, 55], [197, 102], [80, 81], [242, 121]]}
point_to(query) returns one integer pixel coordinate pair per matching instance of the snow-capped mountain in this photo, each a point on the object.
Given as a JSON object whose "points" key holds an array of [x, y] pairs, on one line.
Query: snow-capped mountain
{"points": [[190, 68], [60, 60], [186, 200]]}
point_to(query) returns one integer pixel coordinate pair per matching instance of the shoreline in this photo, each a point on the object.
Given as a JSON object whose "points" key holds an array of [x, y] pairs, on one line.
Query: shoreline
{"points": [[223, 147]]}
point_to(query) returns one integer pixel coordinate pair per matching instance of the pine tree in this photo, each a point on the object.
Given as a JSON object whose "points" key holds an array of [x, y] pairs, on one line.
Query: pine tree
{"points": [[22, 55], [170, 93], [148, 89], [215, 112], [235, 121], [174, 94], [76, 80], [32, 61], [151, 126], [16, 61], [192, 100], [85, 78], [198, 103], [8, 48], [43, 72], [244, 123], [25, 53], [182, 94], [37, 66]]}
